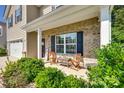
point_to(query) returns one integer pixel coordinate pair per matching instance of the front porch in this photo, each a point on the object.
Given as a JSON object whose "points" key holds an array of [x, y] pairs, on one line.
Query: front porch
{"points": [[81, 73], [81, 37], [90, 24], [68, 32]]}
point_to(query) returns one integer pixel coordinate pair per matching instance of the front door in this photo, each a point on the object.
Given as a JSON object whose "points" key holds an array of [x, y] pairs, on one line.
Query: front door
{"points": [[43, 47]]}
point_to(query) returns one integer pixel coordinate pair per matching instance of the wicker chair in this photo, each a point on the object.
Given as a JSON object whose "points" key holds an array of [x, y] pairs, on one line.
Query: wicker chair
{"points": [[76, 61]]}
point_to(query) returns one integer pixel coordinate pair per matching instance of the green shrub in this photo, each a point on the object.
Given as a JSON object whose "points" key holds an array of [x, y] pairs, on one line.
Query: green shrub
{"points": [[73, 82], [22, 72], [110, 69], [31, 67], [49, 78], [2, 52], [13, 77]]}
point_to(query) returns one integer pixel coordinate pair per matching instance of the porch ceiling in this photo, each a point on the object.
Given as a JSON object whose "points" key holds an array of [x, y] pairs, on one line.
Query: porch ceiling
{"points": [[63, 16]]}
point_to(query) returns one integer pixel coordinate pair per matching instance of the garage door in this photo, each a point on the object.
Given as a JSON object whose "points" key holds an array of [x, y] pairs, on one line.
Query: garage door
{"points": [[16, 49]]}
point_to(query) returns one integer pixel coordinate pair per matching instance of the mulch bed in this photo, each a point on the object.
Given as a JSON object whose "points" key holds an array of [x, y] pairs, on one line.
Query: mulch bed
{"points": [[31, 85]]}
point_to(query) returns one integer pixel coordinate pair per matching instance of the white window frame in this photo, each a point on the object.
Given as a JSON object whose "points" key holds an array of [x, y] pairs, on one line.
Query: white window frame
{"points": [[18, 9], [60, 44], [66, 44], [1, 29], [71, 43]]}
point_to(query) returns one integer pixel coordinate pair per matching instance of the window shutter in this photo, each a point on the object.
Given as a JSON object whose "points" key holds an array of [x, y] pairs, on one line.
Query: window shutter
{"points": [[21, 12], [11, 20], [53, 43], [80, 42]]}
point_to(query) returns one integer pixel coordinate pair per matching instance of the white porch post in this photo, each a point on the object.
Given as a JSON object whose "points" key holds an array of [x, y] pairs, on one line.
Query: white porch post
{"points": [[105, 25], [39, 46]]}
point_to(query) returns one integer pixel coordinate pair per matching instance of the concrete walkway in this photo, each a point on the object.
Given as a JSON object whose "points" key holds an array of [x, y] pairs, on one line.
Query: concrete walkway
{"points": [[81, 73]]}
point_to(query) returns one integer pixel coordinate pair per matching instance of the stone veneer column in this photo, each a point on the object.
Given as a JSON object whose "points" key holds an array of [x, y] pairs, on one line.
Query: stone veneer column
{"points": [[39, 46], [105, 25]]}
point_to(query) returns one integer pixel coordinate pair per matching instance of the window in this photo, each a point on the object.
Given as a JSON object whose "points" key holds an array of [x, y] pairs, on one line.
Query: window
{"points": [[60, 44], [10, 21], [1, 31], [71, 43], [66, 43], [18, 14]]}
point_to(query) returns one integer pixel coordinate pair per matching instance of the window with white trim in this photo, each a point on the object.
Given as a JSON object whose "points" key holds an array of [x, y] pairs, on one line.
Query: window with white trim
{"points": [[1, 31], [60, 43], [18, 14], [66, 43]]}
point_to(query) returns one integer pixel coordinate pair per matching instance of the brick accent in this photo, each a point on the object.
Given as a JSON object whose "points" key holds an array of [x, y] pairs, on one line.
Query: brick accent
{"points": [[90, 28]]}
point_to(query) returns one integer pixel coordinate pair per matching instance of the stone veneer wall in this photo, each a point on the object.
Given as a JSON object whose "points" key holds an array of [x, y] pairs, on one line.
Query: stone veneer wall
{"points": [[91, 38]]}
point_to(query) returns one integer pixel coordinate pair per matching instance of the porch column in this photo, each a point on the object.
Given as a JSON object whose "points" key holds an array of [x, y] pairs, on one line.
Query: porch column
{"points": [[105, 25], [39, 46]]}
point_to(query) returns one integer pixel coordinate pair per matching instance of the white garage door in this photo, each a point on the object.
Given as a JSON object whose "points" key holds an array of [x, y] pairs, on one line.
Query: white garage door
{"points": [[16, 49]]}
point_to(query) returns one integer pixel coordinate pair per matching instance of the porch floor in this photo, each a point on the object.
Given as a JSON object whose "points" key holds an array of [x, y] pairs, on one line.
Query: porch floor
{"points": [[79, 73]]}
